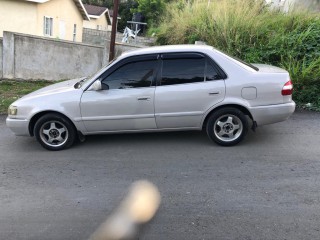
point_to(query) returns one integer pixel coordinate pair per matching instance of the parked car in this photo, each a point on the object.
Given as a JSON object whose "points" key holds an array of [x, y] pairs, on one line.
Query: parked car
{"points": [[183, 87]]}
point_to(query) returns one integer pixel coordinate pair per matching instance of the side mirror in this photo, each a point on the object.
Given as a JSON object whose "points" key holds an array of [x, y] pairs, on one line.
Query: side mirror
{"points": [[97, 85]]}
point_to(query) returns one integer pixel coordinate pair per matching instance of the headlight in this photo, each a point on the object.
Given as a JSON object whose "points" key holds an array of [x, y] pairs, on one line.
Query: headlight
{"points": [[12, 110]]}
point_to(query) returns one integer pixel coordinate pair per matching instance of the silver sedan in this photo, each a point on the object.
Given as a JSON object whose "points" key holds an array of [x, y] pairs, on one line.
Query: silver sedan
{"points": [[167, 88]]}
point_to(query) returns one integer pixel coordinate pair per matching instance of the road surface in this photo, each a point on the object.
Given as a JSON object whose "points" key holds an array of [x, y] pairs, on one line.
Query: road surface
{"points": [[268, 187]]}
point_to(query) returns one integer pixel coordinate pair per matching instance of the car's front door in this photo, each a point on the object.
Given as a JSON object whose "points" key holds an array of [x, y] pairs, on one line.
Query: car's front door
{"points": [[190, 84], [127, 103]]}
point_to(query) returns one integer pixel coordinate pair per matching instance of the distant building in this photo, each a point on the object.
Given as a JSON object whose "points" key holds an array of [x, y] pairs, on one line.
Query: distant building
{"points": [[99, 18], [61, 19]]}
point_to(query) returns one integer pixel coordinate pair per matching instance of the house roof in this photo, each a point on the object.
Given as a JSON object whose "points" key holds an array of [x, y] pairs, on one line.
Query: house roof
{"points": [[82, 9], [95, 10]]}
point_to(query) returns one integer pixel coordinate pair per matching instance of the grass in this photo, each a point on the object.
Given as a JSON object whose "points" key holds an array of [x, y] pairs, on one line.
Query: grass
{"points": [[11, 90]]}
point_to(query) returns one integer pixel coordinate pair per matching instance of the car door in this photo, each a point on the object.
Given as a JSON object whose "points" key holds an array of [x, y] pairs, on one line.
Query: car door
{"points": [[189, 85], [127, 103]]}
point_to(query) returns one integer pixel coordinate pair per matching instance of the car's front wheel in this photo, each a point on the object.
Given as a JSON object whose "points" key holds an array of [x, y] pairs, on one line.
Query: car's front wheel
{"points": [[54, 132], [227, 126]]}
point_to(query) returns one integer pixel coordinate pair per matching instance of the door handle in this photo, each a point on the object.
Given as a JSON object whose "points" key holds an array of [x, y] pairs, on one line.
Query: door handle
{"points": [[143, 98], [214, 93]]}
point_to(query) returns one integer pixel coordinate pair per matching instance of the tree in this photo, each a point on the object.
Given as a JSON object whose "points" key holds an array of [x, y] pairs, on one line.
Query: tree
{"points": [[151, 9], [125, 13]]}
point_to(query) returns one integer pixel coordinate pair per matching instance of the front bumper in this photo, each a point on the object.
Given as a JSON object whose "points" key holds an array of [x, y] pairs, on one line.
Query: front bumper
{"points": [[272, 113], [20, 127]]}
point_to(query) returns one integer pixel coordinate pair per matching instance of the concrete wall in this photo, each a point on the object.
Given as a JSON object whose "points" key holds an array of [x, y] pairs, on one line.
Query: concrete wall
{"points": [[0, 58], [32, 57], [121, 48], [98, 37]]}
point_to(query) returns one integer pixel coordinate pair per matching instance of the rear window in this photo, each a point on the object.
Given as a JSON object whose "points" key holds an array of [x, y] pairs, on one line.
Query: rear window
{"points": [[241, 61]]}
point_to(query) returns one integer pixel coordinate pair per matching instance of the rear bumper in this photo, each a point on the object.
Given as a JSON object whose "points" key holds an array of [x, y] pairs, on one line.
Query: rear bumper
{"points": [[20, 127], [272, 113]]}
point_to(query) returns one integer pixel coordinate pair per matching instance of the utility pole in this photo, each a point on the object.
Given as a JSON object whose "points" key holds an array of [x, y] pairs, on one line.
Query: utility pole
{"points": [[114, 29]]}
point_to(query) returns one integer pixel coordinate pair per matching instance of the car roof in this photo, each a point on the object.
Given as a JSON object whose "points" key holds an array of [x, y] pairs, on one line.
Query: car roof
{"points": [[168, 48]]}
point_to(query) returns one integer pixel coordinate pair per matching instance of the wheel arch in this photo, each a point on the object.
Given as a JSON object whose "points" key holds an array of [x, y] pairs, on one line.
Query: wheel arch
{"points": [[237, 106], [37, 116]]}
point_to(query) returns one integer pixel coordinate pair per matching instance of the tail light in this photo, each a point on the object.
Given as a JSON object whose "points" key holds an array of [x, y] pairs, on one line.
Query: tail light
{"points": [[287, 89]]}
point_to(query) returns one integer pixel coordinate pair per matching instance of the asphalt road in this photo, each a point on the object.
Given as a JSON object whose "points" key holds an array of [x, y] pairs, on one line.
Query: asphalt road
{"points": [[268, 187]]}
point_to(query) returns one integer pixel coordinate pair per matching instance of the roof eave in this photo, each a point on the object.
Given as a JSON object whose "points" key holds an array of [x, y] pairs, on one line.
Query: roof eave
{"points": [[82, 9]]}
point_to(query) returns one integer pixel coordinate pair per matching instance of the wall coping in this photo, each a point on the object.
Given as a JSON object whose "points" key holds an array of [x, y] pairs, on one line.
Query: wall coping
{"points": [[129, 45], [52, 39]]}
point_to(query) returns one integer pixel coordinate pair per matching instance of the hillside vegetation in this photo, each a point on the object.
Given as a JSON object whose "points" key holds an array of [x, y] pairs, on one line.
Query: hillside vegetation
{"points": [[252, 31]]}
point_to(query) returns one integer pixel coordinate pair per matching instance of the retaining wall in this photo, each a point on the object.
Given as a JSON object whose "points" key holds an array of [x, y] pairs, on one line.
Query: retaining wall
{"points": [[32, 57], [99, 37]]}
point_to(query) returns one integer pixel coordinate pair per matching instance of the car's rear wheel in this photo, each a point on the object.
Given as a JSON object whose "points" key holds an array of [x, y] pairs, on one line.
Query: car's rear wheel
{"points": [[227, 126], [54, 132]]}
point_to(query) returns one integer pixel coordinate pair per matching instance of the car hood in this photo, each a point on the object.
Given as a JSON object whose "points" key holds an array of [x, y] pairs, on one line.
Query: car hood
{"points": [[60, 87]]}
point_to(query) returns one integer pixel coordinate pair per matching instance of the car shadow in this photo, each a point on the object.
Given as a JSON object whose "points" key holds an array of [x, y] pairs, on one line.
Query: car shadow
{"points": [[262, 136], [195, 137]]}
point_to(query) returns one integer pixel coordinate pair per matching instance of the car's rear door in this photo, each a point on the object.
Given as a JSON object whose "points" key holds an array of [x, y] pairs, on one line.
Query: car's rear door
{"points": [[128, 103], [189, 85]]}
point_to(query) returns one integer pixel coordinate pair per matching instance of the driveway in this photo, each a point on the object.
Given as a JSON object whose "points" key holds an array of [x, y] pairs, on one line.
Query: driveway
{"points": [[268, 187]]}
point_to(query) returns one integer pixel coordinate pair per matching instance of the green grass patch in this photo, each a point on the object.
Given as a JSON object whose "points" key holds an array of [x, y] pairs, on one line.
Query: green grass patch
{"points": [[11, 90]]}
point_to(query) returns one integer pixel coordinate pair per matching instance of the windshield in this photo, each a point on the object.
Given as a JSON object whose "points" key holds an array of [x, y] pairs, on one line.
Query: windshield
{"points": [[89, 78]]}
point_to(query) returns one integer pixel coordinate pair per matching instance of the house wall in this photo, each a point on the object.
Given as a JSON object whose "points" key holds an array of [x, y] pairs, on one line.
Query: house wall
{"points": [[92, 24], [63, 12], [18, 16]]}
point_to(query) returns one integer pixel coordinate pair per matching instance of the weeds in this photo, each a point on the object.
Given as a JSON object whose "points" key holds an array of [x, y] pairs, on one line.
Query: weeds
{"points": [[11, 90], [250, 30]]}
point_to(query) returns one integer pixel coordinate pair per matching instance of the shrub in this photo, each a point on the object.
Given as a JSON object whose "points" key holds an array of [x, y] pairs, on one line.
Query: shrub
{"points": [[250, 30]]}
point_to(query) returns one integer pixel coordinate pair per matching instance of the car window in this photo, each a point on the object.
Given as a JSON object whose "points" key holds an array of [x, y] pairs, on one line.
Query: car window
{"points": [[179, 71], [212, 73], [132, 75]]}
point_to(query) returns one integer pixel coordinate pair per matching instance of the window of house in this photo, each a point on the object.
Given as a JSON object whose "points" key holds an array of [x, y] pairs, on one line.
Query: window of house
{"points": [[187, 69], [74, 32], [132, 75], [47, 26]]}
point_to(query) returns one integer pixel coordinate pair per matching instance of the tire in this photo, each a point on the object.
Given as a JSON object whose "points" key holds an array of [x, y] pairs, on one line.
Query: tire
{"points": [[54, 132], [227, 126]]}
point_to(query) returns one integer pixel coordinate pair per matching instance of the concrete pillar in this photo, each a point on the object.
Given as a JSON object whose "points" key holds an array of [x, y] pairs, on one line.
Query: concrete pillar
{"points": [[8, 55]]}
